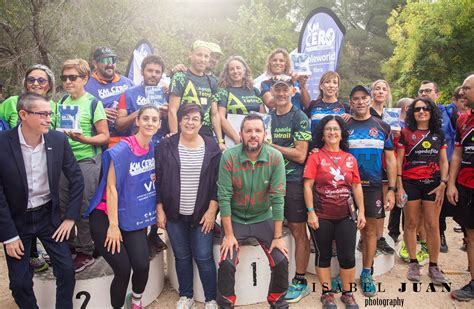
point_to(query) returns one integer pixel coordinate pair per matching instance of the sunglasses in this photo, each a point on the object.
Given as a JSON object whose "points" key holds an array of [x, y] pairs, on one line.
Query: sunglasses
{"points": [[422, 108], [107, 60], [72, 78], [41, 81]]}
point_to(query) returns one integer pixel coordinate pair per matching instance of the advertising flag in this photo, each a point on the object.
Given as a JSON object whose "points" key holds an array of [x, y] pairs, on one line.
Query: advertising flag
{"points": [[142, 50]]}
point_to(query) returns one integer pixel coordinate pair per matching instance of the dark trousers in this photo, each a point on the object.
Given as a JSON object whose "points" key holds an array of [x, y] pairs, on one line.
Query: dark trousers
{"points": [[133, 255], [394, 221], [263, 232], [39, 225]]}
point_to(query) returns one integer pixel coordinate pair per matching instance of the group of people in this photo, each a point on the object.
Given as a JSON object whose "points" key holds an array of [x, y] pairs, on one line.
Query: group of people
{"points": [[328, 167]]}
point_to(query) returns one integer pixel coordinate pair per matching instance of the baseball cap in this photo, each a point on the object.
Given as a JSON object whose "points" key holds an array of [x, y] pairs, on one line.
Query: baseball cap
{"points": [[200, 43], [360, 88], [282, 79], [103, 52], [215, 48]]}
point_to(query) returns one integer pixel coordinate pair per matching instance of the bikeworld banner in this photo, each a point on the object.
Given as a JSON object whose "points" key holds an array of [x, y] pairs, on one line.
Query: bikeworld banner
{"points": [[321, 40], [142, 50]]}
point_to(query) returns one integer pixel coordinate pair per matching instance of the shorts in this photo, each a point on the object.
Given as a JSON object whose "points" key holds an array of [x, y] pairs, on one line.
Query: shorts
{"points": [[295, 207], [418, 189], [373, 202], [464, 210]]}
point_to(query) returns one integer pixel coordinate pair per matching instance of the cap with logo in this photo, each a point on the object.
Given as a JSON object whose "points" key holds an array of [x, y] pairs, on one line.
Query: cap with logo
{"points": [[215, 48], [103, 52], [282, 80], [199, 44]]}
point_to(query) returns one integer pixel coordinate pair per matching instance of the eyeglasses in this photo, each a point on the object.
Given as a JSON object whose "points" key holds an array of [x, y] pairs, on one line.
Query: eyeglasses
{"points": [[42, 115], [425, 91], [422, 108], [72, 78], [41, 81], [107, 60]]}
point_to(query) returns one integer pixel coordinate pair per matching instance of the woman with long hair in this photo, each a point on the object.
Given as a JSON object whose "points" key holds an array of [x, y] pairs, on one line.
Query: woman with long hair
{"points": [[237, 94], [279, 63], [422, 177], [331, 186]]}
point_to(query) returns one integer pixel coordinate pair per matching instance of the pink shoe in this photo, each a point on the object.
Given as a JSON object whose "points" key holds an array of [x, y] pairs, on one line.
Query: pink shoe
{"points": [[130, 304]]}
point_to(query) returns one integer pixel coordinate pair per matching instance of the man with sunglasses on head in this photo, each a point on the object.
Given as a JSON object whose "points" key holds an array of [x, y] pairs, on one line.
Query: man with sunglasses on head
{"points": [[33, 159], [107, 85], [429, 89]]}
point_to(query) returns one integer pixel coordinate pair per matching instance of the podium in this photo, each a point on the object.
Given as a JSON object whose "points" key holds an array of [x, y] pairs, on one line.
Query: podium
{"points": [[92, 289]]}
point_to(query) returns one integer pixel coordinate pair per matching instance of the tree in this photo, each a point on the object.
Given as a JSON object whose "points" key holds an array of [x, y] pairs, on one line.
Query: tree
{"points": [[433, 41]]}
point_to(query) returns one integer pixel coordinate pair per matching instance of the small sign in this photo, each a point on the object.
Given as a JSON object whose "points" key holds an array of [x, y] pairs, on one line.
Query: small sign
{"points": [[155, 95], [69, 118], [300, 63], [392, 117]]}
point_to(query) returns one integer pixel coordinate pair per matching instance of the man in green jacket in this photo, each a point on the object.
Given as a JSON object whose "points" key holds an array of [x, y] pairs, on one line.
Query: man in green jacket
{"points": [[251, 190]]}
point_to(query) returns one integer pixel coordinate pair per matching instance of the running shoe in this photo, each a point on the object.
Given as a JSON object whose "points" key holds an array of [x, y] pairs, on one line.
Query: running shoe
{"points": [[466, 293], [423, 254], [328, 301], [211, 305], [82, 261], [130, 304], [414, 273], [403, 252], [368, 285], [436, 275], [296, 291], [384, 247], [185, 303], [38, 264], [349, 301], [336, 284], [443, 244]]}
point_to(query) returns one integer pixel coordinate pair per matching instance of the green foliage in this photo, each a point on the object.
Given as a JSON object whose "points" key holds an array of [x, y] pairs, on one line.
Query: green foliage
{"points": [[433, 41]]}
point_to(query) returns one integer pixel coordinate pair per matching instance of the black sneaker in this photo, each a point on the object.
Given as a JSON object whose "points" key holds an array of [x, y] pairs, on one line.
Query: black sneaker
{"points": [[464, 294], [443, 244], [383, 246]]}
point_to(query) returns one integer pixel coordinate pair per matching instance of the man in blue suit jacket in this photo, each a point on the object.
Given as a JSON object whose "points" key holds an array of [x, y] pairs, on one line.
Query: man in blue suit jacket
{"points": [[32, 159]]}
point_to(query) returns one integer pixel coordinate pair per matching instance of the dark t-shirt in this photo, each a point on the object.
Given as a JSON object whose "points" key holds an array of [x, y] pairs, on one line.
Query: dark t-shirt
{"points": [[239, 100], [286, 129], [333, 174], [465, 139], [194, 89], [421, 153]]}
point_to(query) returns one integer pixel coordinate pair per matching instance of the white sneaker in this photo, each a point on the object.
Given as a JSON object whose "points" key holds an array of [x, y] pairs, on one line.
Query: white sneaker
{"points": [[185, 303], [211, 305]]}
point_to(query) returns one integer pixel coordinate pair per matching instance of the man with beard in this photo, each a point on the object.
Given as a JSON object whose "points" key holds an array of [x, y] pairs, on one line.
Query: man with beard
{"points": [[461, 183], [107, 85], [369, 138], [251, 190], [134, 98]]}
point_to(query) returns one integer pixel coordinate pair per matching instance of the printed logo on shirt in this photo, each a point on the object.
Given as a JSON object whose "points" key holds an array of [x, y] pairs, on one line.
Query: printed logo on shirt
{"points": [[350, 163], [350, 132], [337, 176], [112, 91], [374, 132], [426, 144], [234, 105], [137, 168], [141, 100]]}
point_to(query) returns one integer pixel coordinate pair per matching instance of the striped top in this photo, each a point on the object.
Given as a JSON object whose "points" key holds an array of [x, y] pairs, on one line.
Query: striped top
{"points": [[190, 173]]}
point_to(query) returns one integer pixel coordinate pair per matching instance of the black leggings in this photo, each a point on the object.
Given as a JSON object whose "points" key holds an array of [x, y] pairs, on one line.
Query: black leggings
{"points": [[133, 255], [344, 232]]}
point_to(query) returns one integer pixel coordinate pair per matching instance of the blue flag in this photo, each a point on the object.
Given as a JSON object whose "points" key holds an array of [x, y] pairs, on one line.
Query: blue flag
{"points": [[321, 40], [142, 50]]}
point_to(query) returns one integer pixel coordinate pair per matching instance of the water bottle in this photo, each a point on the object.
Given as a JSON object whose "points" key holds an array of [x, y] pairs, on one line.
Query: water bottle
{"points": [[403, 201]]}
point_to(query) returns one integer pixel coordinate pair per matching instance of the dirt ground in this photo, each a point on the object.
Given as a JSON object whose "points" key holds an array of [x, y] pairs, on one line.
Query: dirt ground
{"points": [[453, 263]]}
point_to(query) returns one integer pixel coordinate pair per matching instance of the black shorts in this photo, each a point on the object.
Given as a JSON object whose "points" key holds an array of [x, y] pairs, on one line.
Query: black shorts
{"points": [[373, 202], [295, 207], [464, 210], [419, 189]]}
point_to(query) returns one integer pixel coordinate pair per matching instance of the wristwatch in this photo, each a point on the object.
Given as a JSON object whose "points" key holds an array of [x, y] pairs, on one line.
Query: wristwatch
{"points": [[392, 188]]}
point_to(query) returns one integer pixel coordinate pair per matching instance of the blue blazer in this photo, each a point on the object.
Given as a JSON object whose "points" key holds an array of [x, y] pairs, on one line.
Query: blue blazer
{"points": [[14, 185]]}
